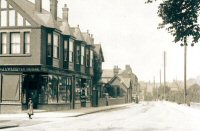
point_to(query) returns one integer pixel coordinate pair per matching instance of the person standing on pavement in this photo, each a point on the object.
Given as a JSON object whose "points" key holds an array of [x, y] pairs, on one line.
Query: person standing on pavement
{"points": [[30, 108]]}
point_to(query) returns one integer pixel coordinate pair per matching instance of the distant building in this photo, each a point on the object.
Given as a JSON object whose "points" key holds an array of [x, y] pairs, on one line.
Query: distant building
{"points": [[121, 83]]}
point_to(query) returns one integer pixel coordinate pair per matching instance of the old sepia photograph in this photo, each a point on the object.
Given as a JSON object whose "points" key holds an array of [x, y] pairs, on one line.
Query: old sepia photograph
{"points": [[99, 65]]}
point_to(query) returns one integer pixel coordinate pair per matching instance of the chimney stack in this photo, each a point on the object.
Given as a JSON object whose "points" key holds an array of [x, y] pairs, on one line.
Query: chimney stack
{"points": [[116, 70], [38, 5], [65, 13], [53, 8], [92, 38]]}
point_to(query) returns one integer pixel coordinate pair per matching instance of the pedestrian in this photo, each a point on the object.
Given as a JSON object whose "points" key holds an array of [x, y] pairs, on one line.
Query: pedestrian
{"points": [[30, 108]]}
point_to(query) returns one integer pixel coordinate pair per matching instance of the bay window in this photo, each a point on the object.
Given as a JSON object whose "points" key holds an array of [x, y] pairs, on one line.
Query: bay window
{"points": [[91, 58], [56, 45], [77, 54], [65, 50], [49, 41], [15, 43], [71, 50], [82, 55], [87, 58]]}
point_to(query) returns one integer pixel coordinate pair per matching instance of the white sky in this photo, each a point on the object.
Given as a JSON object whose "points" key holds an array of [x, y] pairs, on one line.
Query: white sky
{"points": [[127, 30]]}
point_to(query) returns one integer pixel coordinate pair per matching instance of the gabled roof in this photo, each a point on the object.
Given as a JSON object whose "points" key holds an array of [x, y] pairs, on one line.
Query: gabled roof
{"points": [[65, 28], [44, 18], [98, 50], [76, 32], [87, 38], [124, 81]]}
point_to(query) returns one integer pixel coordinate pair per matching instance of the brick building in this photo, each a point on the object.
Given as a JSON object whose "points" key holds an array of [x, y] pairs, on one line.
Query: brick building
{"points": [[43, 58]]}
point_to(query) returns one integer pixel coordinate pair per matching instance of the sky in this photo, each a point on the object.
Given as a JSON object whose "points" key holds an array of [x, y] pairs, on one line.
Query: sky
{"points": [[127, 31]]}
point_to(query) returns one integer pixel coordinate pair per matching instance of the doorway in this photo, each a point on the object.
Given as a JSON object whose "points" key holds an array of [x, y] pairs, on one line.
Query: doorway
{"points": [[31, 86]]}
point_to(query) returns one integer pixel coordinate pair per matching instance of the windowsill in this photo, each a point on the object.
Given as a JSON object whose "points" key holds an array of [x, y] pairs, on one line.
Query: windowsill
{"points": [[15, 55]]}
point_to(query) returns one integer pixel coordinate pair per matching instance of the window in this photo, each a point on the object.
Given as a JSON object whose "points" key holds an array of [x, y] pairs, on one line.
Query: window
{"points": [[3, 43], [15, 43], [82, 55], [11, 18], [4, 16], [87, 58], [19, 20], [3, 4], [77, 54], [55, 46], [49, 45], [27, 23], [27, 42], [65, 50], [71, 50], [91, 58]]}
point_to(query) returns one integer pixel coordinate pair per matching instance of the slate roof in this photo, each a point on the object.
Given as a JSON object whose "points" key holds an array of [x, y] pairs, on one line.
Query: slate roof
{"points": [[76, 32], [44, 18], [98, 50], [126, 81], [87, 38]]}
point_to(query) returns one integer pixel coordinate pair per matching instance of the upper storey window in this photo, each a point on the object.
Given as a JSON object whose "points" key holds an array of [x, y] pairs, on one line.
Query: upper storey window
{"points": [[82, 55], [3, 4], [3, 43], [71, 50], [15, 43], [10, 17], [56, 45]]}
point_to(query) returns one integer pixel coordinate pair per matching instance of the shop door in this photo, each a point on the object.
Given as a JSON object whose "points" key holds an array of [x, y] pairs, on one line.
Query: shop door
{"points": [[33, 93]]}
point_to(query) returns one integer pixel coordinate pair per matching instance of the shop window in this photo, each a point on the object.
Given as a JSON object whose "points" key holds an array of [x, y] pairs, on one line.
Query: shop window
{"points": [[62, 98], [78, 89], [3, 43], [27, 42], [15, 43], [53, 89]]}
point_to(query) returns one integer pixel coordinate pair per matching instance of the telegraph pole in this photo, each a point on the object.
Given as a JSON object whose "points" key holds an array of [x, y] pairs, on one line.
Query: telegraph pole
{"points": [[185, 70], [160, 79], [164, 74]]}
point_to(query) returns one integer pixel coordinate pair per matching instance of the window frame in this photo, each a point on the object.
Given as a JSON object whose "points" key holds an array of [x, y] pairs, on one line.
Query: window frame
{"points": [[65, 50], [27, 44], [15, 44], [82, 55], [4, 44], [56, 45], [71, 50]]}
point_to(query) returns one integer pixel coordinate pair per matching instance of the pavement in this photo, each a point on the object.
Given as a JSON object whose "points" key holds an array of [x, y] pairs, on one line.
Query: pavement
{"points": [[21, 119]]}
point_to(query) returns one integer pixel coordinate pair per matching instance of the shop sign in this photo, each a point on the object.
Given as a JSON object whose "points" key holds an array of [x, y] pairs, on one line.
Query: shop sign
{"points": [[19, 69]]}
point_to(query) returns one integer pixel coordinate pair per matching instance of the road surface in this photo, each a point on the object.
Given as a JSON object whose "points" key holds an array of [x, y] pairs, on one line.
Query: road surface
{"points": [[145, 116]]}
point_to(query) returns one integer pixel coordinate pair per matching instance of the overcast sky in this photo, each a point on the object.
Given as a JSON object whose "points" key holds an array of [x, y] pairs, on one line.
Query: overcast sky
{"points": [[127, 30]]}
